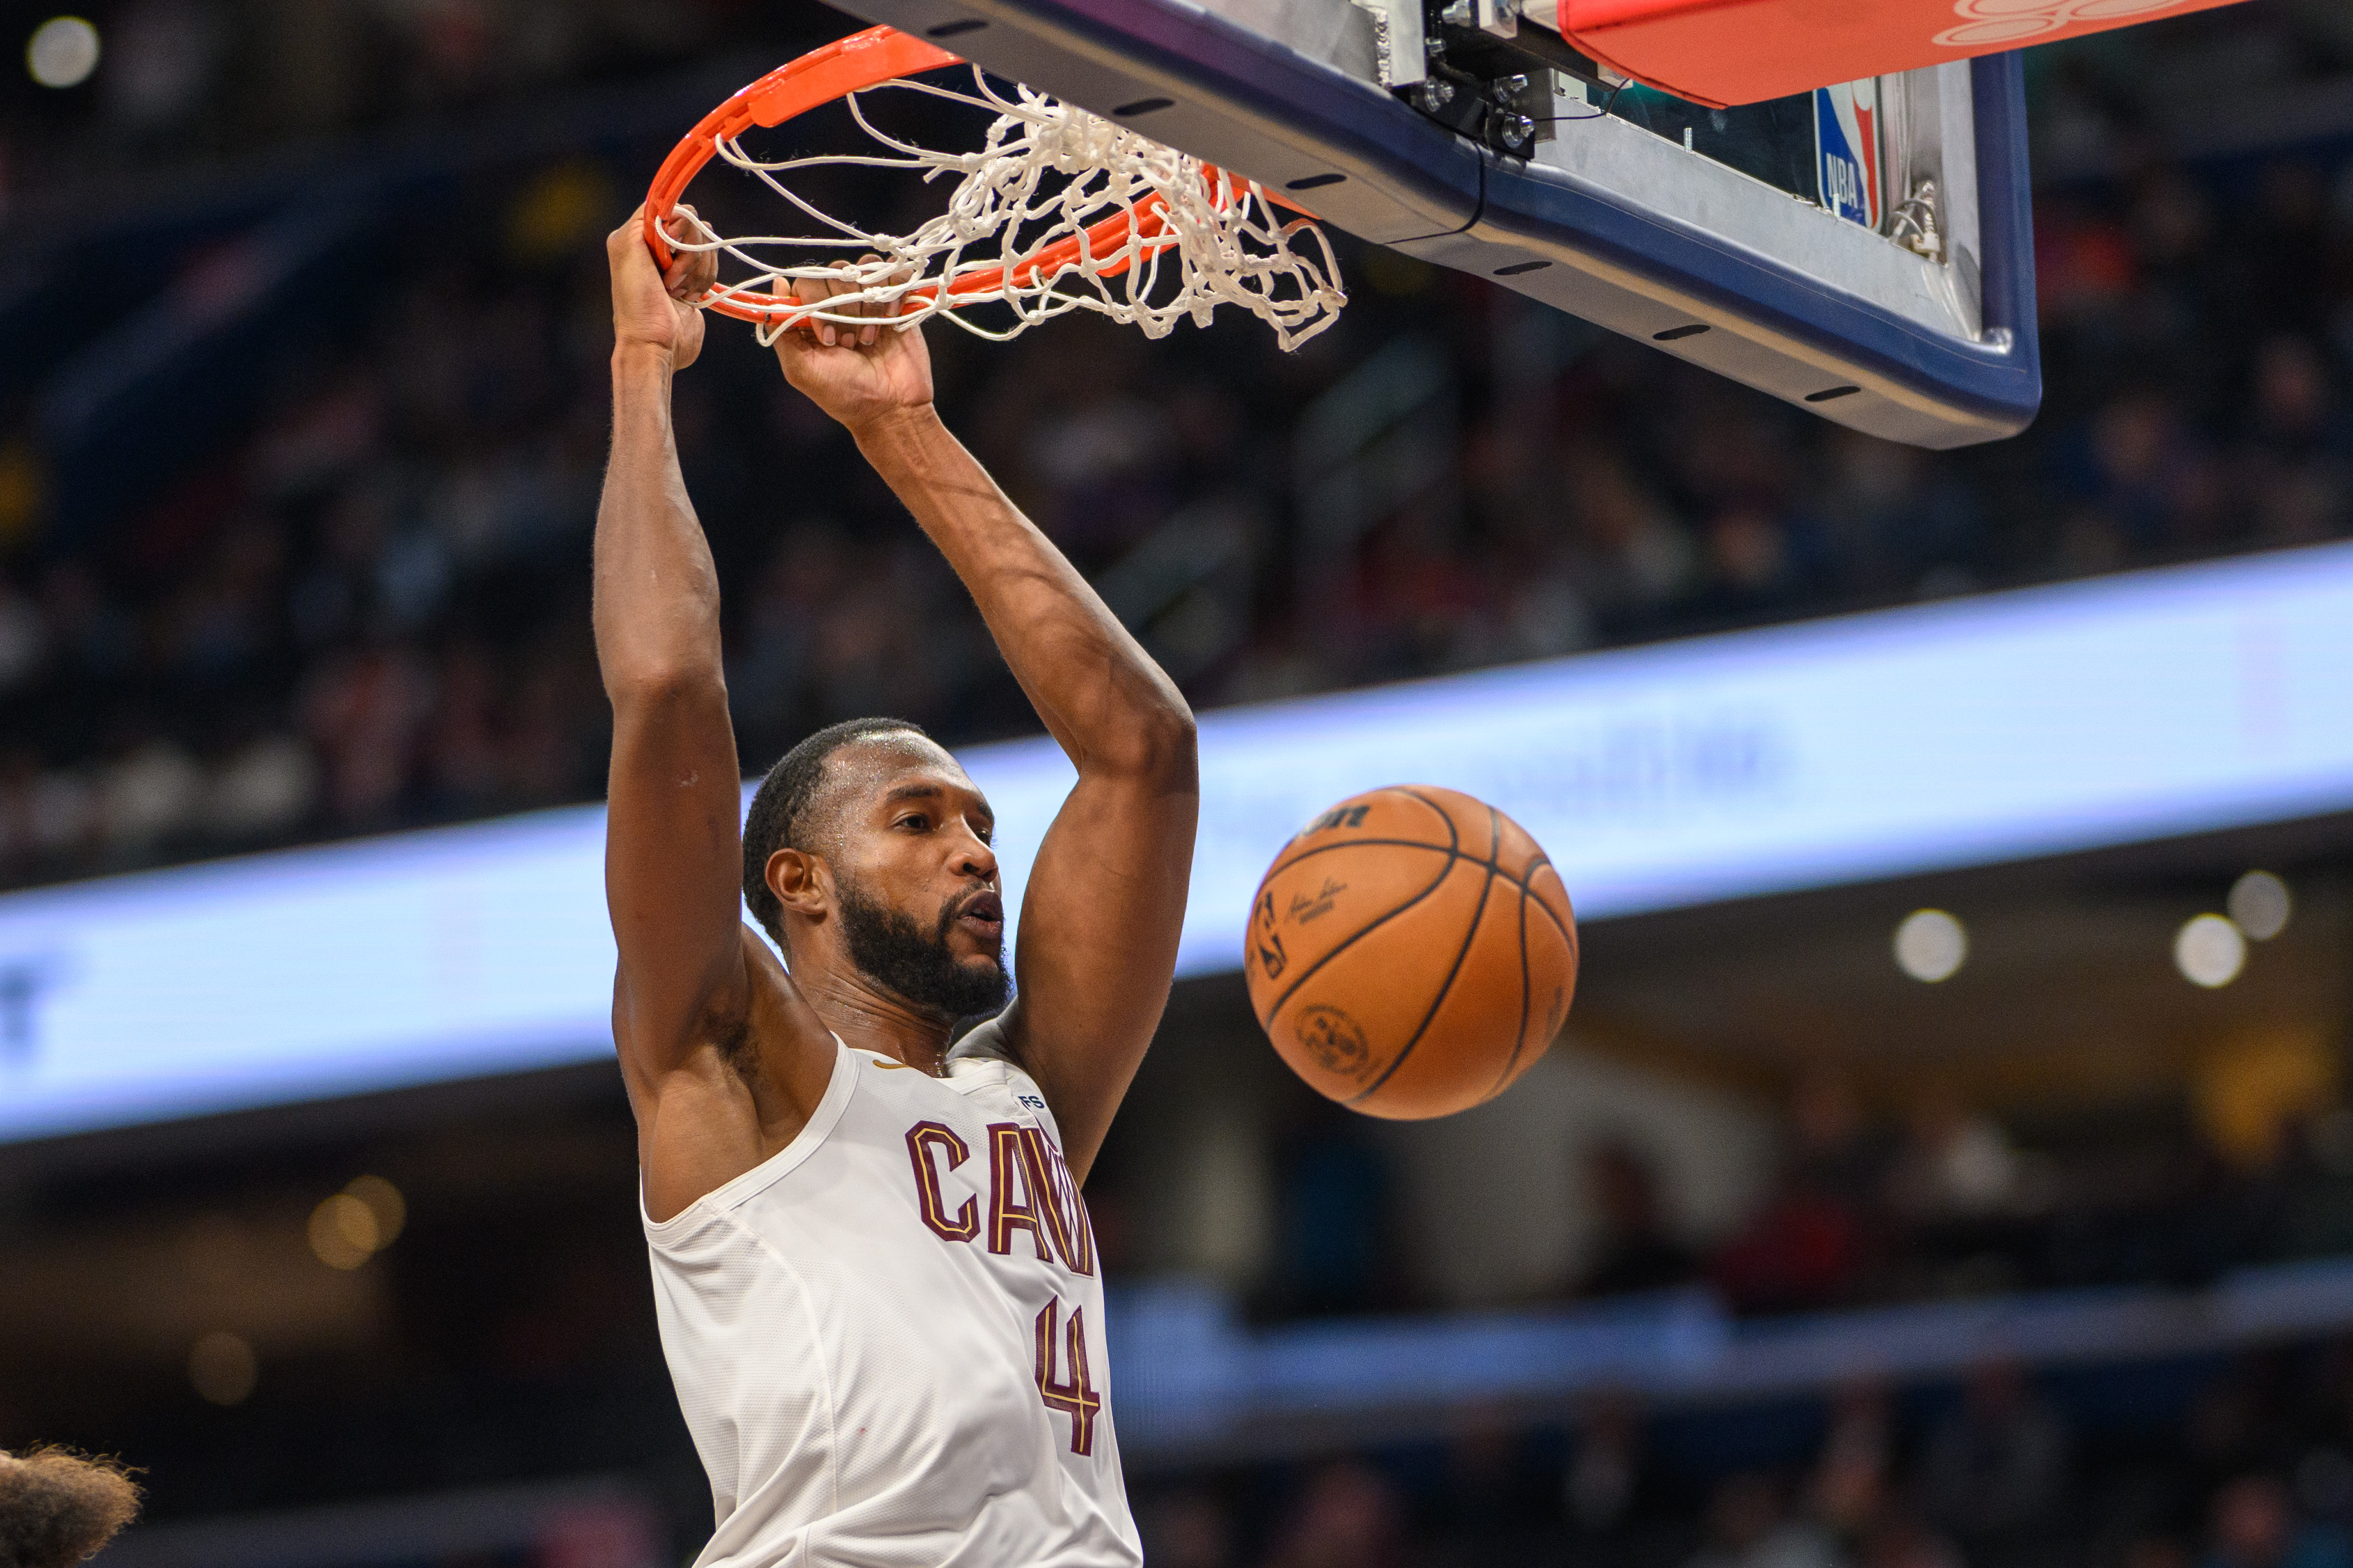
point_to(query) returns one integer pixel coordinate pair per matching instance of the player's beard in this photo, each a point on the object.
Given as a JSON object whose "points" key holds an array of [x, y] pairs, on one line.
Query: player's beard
{"points": [[895, 953]]}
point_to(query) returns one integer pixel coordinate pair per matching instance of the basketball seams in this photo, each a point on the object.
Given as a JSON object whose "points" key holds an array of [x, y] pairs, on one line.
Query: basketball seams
{"points": [[1275, 1007], [1454, 845], [1569, 939], [1452, 849], [1527, 890], [1478, 914], [1520, 1037], [1525, 881], [1280, 867], [1494, 833], [1517, 1073]]}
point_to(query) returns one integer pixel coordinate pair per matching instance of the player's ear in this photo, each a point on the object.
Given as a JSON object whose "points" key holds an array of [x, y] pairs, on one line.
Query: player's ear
{"points": [[798, 879]]}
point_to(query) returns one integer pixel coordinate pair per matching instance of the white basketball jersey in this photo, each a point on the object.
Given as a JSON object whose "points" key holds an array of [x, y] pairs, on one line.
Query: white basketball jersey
{"points": [[887, 1339]]}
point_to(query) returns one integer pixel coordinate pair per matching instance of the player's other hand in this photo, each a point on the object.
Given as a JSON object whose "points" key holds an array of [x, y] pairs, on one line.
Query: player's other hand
{"points": [[652, 306], [856, 374]]}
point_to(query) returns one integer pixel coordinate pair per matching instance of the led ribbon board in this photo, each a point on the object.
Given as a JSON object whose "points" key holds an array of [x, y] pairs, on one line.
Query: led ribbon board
{"points": [[1872, 746]]}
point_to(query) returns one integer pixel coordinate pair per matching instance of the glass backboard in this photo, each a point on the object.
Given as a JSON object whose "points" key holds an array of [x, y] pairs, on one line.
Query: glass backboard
{"points": [[1863, 251]]}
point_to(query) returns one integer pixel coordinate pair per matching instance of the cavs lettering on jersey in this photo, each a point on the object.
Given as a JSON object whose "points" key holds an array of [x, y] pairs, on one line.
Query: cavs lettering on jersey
{"points": [[888, 1339]]}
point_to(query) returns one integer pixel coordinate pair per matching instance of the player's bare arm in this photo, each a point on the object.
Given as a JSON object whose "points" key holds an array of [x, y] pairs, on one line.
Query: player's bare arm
{"points": [[1105, 901], [695, 989]]}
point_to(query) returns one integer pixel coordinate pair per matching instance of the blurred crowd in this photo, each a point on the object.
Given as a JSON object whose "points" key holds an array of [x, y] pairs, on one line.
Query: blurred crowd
{"points": [[369, 610], [188, 88], [1935, 1200], [2242, 1465], [1949, 1203], [364, 607], [367, 607]]}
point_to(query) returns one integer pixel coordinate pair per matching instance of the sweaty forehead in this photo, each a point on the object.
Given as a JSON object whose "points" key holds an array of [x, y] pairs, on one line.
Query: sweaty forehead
{"points": [[867, 771]]}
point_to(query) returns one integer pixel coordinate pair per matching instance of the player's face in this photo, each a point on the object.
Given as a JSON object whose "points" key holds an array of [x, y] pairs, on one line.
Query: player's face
{"points": [[917, 881]]}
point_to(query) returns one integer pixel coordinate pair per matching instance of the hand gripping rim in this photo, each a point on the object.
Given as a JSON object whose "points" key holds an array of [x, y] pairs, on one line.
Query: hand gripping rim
{"points": [[825, 75]]}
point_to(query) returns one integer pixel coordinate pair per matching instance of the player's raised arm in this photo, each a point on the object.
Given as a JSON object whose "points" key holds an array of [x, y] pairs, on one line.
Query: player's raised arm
{"points": [[1105, 901], [684, 997]]}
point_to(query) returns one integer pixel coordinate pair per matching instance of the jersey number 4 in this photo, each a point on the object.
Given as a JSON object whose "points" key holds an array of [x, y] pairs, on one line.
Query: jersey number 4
{"points": [[1074, 1397]]}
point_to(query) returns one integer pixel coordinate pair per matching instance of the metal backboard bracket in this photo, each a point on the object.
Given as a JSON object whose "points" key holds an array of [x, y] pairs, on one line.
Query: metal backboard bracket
{"points": [[1600, 218]]}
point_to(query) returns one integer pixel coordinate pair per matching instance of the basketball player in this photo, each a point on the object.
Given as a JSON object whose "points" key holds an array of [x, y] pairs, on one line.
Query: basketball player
{"points": [[56, 1507], [877, 1288]]}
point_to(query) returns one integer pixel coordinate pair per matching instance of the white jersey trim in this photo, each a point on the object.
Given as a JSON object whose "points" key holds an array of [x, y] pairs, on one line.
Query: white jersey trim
{"points": [[776, 1166], [982, 1056]]}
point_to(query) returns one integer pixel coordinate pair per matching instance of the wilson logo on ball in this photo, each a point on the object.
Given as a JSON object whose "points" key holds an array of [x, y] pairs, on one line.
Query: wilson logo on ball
{"points": [[1338, 816]]}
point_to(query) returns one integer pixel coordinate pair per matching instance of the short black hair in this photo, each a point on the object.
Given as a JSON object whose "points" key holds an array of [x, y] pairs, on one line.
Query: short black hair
{"points": [[781, 803]]}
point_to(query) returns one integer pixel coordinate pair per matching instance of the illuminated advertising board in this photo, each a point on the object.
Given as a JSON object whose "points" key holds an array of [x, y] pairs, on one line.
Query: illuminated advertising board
{"points": [[1870, 746]]}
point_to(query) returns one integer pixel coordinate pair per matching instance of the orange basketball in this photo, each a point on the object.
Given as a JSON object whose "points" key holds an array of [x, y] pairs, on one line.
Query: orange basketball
{"points": [[1411, 953]]}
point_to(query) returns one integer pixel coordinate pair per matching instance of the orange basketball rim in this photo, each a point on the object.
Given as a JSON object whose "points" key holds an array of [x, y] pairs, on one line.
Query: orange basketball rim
{"points": [[831, 73]]}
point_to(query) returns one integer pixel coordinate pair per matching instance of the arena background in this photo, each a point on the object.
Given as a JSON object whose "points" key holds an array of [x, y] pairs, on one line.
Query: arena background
{"points": [[1788, 1257]]}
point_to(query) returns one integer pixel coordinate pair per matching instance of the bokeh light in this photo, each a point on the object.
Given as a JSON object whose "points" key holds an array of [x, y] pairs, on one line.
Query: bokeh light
{"points": [[1931, 945], [384, 1201], [357, 1223], [62, 52], [343, 1232], [223, 1368], [2209, 951], [2260, 905]]}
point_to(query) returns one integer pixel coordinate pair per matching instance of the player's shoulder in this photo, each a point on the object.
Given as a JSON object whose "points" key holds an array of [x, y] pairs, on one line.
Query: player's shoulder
{"points": [[982, 1040], [981, 1067]]}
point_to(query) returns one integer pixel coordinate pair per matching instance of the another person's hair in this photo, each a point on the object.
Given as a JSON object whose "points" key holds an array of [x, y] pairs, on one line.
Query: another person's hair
{"points": [[58, 1507], [779, 817]]}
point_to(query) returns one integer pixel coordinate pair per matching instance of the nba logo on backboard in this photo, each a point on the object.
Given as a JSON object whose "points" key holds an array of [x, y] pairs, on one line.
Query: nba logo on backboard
{"points": [[1846, 148]]}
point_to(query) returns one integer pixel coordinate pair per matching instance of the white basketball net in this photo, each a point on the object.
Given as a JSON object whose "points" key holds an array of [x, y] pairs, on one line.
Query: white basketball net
{"points": [[1046, 171]]}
